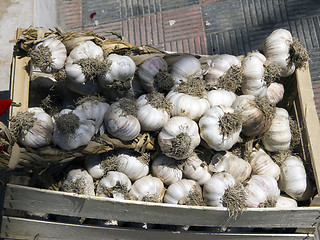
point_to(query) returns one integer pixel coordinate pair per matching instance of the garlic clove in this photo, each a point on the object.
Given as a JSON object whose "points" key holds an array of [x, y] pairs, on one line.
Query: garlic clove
{"points": [[286, 202], [78, 181]]}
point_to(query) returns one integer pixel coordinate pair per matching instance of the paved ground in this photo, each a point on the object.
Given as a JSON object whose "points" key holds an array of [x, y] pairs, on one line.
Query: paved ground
{"points": [[200, 26]]}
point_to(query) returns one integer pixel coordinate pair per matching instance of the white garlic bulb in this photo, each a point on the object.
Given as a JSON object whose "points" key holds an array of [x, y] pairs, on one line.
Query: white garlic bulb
{"points": [[179, 137], [261, 190], [221, 97], [166, 169], [262, 164], [219, 66], [276, 47], [212, 128], [71, 131], [40, 134], [148, 188], [184, 192], [286, 202], [49, 55], [293, 179], [278, 136], [122, 69], [121, 122], [154, 111], [115, 184], [78, 181], [186, 68], [133, 165], [196, 169], [234, 165], [253, 72], [93, 166], [214, 189], [275, 93]]}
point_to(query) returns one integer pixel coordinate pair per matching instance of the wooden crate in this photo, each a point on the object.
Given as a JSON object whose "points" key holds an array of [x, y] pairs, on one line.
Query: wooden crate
{"points": [[164, 221]]}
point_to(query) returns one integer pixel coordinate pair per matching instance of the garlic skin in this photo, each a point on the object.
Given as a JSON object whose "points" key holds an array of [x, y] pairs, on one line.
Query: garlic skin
{"points": [[166, 169], [253, 73], [210, 129], [80, 137], [214, 189], [148, 70], [121, 125], [129, 164], [40, 134], [78, 181], [286, 202], [186, 105], [196, 169], [111, 180], [185, 69], [177, 131], [221, 97], [58, 54], [293, 179], [122, 68], [178, 192], [219, 66], [278, 136], [254, 120], [148, 188], [276, 47], [230, 163], [262, 164], [275, 93], [151, 118], [93, 110], [259, 189], [77, 80], [93, 166]]}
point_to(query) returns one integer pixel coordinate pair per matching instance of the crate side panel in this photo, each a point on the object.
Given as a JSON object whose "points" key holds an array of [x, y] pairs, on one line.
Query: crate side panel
{"points": [[60, 203], [18, 228]]}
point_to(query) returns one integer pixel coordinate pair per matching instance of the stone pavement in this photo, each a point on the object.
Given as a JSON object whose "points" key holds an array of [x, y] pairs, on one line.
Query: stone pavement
{"points": [[200, 26]]}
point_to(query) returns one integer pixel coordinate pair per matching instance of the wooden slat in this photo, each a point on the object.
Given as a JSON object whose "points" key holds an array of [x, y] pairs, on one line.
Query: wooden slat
{"points": [[61, 203], [310, 119], [18, 228], [19, 82]]}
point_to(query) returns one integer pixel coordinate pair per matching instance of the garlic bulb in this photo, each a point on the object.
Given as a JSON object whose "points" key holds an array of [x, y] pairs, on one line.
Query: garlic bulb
{"points": [[184, 192], [71, 130], [115, 184], [92, 109], [120, 120], [49, 55], [196, 169], [256, 114], [276, 47], [166, 169], [253, 75], [262, 164], [278, 136], [293, 179], [220, 127], [230, 163], [186, 68], [78, 181], [93, 166], [262, 191], [179, 137], [122, 68], [84, 65], [153, 75], [275, 93], [148, 188], [286, 202], [40, 133], [219, 66], [154, 111], [221, 97], [133, 165]]}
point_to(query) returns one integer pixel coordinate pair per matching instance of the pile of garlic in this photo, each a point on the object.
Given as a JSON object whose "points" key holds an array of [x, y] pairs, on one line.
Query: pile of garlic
{"points": [[189, 109]]}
